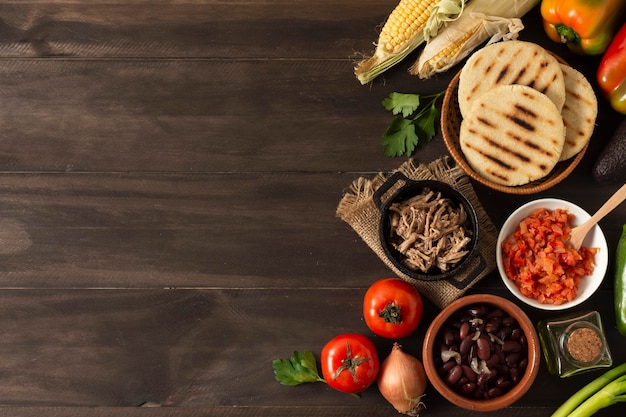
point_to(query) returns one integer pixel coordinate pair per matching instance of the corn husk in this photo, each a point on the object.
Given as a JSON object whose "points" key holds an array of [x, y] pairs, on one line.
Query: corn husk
{"points": [[483, 20], [441, 12]]}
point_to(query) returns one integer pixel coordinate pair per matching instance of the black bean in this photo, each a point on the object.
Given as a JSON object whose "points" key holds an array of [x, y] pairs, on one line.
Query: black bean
{"points": [[511, 346], [515, 376], [482, 345], [454, 375], [516, 333], [447, 366], [496, 312], [523, 363], [493, 360], [465, 345], [522, 341], [468, 373], [502, 369], [504, 332], [512, 358], [494, 392], [493, 325], [468, 389], [484, 378], [462, 381], [508, 321], [500, 346], [464, 330], [498, 350]]}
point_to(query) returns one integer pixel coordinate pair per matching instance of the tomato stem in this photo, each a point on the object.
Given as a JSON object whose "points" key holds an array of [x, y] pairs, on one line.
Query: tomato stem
{"points": [[391, 313], [350, 364]]}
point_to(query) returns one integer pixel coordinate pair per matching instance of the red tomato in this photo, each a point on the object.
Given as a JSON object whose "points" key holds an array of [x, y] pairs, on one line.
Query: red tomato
{"points": [[350, 363], [392, 308]]}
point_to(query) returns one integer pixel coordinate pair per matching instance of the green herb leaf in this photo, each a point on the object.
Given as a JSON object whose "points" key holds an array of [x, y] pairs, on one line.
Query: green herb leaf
{"points": [[426, 121], [404, 134], [301, 368], [402, 103], [400, 137]]}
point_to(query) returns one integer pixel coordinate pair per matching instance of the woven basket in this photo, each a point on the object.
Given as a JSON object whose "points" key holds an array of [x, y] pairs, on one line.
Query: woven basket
{"points": [[450, 127]]}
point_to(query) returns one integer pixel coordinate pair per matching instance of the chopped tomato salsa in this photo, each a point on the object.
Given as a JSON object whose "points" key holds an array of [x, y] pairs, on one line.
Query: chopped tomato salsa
{"points": [[538, 258]]}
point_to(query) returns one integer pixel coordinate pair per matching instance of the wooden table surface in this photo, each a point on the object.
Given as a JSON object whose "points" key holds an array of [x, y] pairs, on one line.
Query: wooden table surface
{"points": [[169, 176]]}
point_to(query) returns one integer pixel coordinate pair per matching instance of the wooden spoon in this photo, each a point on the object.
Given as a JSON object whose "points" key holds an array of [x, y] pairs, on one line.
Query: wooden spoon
{"points": [[578, 233]]}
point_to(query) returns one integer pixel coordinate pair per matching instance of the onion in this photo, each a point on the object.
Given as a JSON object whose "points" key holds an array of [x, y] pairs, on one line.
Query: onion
{"points": [[446, 355], [402, 381]]}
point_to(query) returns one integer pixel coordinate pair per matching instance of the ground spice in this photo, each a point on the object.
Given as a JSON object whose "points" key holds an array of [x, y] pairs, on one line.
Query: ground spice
{"points": [[584, 345]]}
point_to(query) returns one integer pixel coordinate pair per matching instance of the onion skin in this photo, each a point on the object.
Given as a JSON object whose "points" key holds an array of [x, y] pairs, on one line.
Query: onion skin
{"points": [[402, 381]]}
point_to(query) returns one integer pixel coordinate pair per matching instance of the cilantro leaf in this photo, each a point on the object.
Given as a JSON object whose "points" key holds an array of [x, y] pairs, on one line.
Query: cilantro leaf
{"points": [[405, 133], [301, 368], [402, 103], [400, 137], [426, 121]]}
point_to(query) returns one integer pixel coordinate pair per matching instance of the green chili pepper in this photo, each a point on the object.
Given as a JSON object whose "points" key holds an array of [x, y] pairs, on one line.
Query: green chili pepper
{"points": [[620, 284]]}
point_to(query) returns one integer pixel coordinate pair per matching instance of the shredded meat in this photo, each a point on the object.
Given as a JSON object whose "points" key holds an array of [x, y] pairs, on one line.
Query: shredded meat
{"points": [[429, 231]]}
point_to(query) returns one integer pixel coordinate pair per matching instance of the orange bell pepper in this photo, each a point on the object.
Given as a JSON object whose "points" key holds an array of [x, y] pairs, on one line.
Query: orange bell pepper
{"points": [[586, 26], [611, 73]]}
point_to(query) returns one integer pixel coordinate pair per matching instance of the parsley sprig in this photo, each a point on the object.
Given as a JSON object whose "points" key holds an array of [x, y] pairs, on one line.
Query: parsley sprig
{"points": [[410, 127], [301, 368]]}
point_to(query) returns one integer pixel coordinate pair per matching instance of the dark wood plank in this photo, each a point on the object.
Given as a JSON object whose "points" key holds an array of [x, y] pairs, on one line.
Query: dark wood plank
{"points": [[178, 230], [212, 112], [192, 29], [199, 230], [170, 116], [199, 348]]}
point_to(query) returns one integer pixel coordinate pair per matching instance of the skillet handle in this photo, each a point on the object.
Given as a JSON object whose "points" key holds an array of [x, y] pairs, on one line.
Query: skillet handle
{"points": [[386, 186], [472, 272]]}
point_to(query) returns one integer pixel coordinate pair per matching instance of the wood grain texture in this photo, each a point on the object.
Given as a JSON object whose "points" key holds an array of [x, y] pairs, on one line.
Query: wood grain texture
{"points": [[169, 175]]}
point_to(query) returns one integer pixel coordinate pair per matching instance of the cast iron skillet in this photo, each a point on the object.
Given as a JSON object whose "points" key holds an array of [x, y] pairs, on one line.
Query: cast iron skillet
{"points": [[409, 189]]}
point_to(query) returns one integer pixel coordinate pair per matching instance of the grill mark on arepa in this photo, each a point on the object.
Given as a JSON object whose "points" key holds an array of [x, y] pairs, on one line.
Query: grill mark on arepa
{"points": [[492, 158], [499, 146], [520, 74], [497, 175], [485, 122], [526, 110], [519, 121], [526, 142], [502, 73]]}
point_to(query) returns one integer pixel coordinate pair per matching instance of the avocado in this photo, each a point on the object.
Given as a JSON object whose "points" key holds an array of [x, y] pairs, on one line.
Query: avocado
{"points": [[610, 166]]}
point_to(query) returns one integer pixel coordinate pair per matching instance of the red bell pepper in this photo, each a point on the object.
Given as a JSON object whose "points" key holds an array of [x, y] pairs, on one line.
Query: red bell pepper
{"points": [[611, 73], [586, 26]]}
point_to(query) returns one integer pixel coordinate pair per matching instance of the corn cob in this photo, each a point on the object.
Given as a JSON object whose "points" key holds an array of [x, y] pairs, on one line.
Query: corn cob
{"points": [[481, 20], [407, 27]]}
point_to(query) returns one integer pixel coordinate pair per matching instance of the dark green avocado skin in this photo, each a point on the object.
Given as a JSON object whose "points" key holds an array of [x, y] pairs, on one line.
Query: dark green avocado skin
{"points": [[610, 166]]}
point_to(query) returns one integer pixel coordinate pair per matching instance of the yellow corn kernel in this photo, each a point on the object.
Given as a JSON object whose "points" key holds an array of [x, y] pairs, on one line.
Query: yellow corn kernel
{"points": [[404, 21], [492, 20], [438, 61], [410, 24]]}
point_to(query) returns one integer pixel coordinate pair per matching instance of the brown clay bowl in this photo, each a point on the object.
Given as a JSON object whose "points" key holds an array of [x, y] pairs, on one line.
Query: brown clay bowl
{"points": [[431, 353]]}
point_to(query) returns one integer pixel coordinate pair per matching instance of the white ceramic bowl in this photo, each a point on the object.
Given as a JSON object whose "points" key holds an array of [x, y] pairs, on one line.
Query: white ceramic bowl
{"points": [[594, 239]]}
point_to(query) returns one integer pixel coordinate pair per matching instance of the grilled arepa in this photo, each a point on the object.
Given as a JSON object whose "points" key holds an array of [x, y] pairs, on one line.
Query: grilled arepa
{"points": [[579, 112], [512, 135], [511, 62]]}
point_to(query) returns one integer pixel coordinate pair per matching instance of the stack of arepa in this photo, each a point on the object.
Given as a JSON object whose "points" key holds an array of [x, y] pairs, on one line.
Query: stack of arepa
{"points": [[523, 112]]}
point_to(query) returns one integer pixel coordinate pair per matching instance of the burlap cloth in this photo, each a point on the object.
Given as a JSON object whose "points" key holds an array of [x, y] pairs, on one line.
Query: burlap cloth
{"points": [[357, 208]]}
